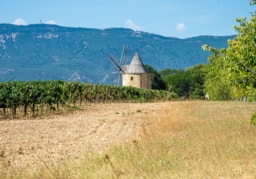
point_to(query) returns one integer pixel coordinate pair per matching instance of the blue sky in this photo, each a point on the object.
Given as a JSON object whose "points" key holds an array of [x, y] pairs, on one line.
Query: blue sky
{"points": [[172, 18]]}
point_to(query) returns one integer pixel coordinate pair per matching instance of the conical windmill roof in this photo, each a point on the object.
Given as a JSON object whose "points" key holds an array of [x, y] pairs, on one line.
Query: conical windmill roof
{"points": [[136, 65]]}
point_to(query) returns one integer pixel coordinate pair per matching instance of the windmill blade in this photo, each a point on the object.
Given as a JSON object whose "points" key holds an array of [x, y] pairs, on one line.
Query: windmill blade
{"points": [[114, 62], [124, 54], [119, 79]]}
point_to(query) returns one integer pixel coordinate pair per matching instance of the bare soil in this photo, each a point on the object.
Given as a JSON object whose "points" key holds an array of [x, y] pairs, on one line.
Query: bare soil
{"points": [[26, 144]]}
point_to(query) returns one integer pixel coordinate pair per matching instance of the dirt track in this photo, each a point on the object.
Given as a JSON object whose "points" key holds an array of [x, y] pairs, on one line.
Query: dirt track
{"points": [[50, 140]]}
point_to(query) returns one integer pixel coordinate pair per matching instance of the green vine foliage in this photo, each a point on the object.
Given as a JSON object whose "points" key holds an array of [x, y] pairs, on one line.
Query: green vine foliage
{"points": [[56, 95]]}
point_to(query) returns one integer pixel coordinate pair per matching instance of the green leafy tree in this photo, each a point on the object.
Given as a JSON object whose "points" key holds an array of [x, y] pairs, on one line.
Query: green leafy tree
{"points": [[188, 83], [197, 77], [232, 71], [157, 81], [179, 83], [241, 59], [235, 67], [215, 80]]}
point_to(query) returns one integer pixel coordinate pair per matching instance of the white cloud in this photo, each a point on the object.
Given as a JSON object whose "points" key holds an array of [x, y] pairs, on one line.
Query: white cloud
{"points": [[181, 27], [50, 22], [130, 24], [19, 21]]}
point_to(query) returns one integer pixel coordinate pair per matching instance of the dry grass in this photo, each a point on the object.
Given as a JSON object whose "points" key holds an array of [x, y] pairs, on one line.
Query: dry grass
{"points": [[191, 139]]}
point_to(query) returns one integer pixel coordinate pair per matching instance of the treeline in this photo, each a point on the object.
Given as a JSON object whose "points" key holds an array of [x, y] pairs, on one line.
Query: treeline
{"points": [[36, 97], [186, 84]]}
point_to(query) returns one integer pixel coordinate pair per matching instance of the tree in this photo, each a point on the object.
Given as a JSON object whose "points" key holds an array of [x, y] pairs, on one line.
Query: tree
{"points": [[179, 83], [188, 83], [235, 66], [197, 75], [157, 81], [215, 80], [241, 59]]}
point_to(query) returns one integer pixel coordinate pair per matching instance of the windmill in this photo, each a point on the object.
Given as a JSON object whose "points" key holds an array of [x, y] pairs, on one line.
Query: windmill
{"points": [[122, 61]]}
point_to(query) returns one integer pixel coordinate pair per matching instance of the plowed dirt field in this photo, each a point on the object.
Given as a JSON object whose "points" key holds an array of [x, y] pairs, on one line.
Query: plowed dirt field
{"points": [[46, 141]]}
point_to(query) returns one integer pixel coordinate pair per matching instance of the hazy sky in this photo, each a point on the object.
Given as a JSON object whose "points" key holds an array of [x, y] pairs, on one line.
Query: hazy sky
{"points": [[172, 18]]}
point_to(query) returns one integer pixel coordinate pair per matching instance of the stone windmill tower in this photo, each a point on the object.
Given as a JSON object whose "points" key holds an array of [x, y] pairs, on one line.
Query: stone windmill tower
{"points": [[135, 74]]}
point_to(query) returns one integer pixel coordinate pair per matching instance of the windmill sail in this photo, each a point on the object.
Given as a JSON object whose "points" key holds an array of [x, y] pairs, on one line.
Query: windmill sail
{"points": [[114, 62], [123, 55], [120, 66]]}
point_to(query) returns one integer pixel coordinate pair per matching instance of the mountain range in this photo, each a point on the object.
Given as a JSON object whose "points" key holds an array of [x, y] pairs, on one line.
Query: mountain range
{"points": [[51, 52]]}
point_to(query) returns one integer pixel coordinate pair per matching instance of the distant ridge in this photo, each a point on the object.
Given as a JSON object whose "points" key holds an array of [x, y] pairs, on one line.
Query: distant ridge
{"points": [[52, 52]]}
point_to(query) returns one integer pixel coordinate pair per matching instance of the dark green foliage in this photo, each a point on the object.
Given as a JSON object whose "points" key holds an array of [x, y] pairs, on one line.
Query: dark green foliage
{"points": [[50, 52], [197, 77], [168, 71], [179, 83], [188, 83], [157, 81]]}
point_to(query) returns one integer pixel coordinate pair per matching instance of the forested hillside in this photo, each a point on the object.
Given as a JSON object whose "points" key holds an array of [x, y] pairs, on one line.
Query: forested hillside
{"points": [[50, 52]]}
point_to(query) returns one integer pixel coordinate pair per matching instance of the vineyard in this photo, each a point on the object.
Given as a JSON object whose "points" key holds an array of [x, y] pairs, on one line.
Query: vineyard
{"points": [[41, 97]]}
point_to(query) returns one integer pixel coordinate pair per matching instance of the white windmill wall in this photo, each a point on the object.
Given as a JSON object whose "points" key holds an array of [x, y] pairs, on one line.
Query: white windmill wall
{"points": [[139, 80], [135, 74]]}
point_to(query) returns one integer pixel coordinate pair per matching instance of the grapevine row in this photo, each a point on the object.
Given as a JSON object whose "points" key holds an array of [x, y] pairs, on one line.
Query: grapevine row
{"points": [[54, 95]]}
